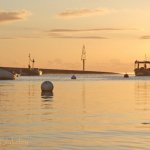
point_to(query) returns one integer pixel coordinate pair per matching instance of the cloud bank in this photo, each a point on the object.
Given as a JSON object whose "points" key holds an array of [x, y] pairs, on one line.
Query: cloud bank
{"points": [[11, 16], [83, 12], [92, 33], [89, 30], [80, 37], [145, 37], [74, 34]]}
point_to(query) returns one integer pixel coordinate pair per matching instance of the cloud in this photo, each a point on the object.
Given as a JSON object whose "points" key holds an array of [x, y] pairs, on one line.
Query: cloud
{"points": [[83, 33], [71, 34], [83, 12], [89, 30], [80, 37], [6, 38], [145, 37], [11, 16], [20, 37]]}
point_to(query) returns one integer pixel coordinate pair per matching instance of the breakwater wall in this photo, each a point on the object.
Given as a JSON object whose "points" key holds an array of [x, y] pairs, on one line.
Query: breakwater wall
{"points": [[55, 71]]}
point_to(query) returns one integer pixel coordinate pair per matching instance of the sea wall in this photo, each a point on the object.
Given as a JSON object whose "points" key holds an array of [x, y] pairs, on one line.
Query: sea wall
{"points": [[55, 71]]}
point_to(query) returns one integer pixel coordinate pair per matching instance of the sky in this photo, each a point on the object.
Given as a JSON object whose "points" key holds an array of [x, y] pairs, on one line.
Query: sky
{"points": [[115, 33]]}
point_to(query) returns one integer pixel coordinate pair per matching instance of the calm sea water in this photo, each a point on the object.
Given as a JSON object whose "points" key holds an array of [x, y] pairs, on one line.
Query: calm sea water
{"points": [[94, 112]]}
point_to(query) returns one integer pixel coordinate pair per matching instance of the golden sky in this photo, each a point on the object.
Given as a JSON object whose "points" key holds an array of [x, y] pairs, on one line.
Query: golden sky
{"points": [[115, 33]]}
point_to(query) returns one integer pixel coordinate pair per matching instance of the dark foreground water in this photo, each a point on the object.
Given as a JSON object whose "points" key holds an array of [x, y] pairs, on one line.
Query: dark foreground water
{"points": [[94, 112]]}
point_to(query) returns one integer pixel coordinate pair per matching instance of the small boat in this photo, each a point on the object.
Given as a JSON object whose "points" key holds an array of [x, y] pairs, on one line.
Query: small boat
{"points": [[31, 71], [141, 68], [73, 77], [6, 75], [126, 75]]}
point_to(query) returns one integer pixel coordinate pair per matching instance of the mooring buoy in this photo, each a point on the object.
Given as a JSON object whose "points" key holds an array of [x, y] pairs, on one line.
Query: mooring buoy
{"points": [[126, 75], [73, 77], [47, 86]]}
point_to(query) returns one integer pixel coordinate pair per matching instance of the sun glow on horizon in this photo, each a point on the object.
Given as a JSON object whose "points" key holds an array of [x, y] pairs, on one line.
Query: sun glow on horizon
{"points": [[114, 34]]}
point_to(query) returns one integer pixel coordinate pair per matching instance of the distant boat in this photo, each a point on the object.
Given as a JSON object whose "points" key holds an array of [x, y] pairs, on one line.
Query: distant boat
{"points": [[126, 75], [31, 71], [142, 70], [73, 77], [6, 75]]}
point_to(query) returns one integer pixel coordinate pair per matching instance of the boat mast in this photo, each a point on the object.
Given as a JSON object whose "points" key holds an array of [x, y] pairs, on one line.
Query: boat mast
{"points": [[29, 66], [33, 61], [83, 57], [145, 62]]}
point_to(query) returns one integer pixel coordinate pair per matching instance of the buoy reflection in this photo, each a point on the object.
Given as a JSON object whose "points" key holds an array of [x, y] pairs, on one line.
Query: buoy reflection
{"points": [[46, 95]]}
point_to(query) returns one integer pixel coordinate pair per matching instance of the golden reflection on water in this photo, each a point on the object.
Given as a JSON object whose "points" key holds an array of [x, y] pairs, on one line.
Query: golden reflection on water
{"points": [[79, 114], [142, 95], [142, 99]]}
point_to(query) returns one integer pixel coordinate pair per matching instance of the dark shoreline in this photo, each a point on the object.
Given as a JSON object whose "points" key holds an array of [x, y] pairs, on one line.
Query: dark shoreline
{"points": [[56, 71]]}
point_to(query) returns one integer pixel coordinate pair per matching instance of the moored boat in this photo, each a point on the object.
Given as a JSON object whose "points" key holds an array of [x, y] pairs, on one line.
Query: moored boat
{"points": [[141, 68], [126, 75], [6, 75], [73, 77], [31, 71]]}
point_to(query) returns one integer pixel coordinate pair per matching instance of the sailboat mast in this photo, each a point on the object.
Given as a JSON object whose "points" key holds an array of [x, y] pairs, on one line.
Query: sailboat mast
{"points": [[83, 64]]}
